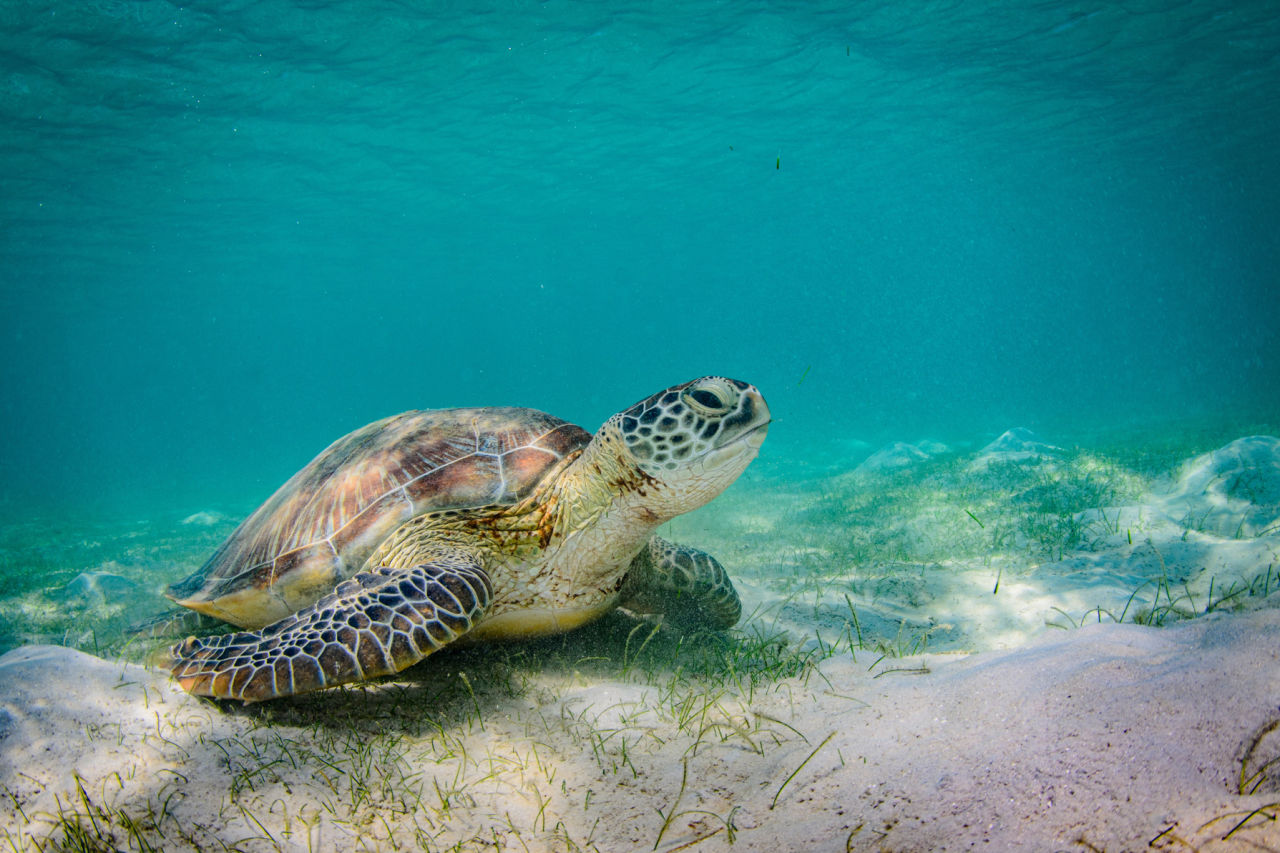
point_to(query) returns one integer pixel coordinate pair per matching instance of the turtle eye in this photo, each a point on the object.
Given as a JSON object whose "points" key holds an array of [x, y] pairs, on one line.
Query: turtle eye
{"points": [[706, 400]]}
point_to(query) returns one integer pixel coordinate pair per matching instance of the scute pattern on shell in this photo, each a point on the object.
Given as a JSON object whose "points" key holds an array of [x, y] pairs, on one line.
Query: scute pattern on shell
{"points": [[366, 484]]}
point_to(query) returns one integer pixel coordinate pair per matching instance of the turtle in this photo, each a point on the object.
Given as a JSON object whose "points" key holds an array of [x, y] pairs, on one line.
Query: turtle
{"points": [[468, 524]]}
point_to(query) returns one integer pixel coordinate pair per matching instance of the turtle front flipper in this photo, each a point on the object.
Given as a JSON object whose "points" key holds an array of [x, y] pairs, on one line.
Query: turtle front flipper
{"points": [[688, 586], [376, 623]]}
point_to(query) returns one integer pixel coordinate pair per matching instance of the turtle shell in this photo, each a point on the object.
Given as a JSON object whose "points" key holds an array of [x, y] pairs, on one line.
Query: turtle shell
{"points": [[320, 526]]}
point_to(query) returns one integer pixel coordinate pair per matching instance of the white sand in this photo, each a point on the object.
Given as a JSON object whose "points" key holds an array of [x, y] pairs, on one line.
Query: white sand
{"points": [[1102, 737], [1105, 736]]}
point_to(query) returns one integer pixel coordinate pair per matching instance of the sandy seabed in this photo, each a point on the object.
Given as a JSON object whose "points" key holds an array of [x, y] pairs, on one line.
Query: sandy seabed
{"points": [[1124, 695]]}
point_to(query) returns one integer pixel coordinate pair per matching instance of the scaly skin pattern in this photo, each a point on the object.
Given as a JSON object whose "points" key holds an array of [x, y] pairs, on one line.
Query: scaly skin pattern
{"points": [[565, 554], [687, 585], [375, 624]]}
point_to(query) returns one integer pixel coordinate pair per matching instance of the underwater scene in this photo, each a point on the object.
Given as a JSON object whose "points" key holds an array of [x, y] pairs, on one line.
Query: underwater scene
{"points": [[591, 426]]}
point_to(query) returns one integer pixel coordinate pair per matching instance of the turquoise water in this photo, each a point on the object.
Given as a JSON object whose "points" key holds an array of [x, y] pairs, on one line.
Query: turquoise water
{"points": [[231, 232], [1006, 272]]}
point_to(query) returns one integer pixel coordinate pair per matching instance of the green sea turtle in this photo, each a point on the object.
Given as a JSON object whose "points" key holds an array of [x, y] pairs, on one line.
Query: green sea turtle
{"points": [[488, 523]]}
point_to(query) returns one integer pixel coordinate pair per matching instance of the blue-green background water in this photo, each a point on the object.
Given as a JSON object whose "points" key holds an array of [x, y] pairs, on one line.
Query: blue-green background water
{"points": [[231, 232]]}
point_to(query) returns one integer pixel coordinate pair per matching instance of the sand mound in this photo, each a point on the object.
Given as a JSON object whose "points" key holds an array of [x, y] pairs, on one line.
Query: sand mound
{"points": [[1113, 736], [99, 588], [898, 455], [1013, 446], [1231, 492], [204, 518], [891, 457]]}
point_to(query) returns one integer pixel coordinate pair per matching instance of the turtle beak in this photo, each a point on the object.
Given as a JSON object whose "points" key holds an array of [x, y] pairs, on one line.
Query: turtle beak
{"points": [[750, 424], [754, 402]]}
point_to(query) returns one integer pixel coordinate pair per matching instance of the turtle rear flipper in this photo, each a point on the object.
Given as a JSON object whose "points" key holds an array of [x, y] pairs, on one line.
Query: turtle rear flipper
{"points": [[171, 625], [689, 587], [376, 623]]}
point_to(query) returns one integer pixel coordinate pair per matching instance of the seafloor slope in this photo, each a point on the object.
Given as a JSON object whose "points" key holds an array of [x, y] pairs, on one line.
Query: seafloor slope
{"points": [[849, 712]]}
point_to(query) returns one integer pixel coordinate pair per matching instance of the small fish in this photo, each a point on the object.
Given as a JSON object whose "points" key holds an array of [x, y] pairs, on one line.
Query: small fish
{"points": [[803, 375]]}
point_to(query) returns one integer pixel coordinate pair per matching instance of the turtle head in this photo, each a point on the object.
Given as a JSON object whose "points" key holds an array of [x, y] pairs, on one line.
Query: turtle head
{"points": [[692, 440]]}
